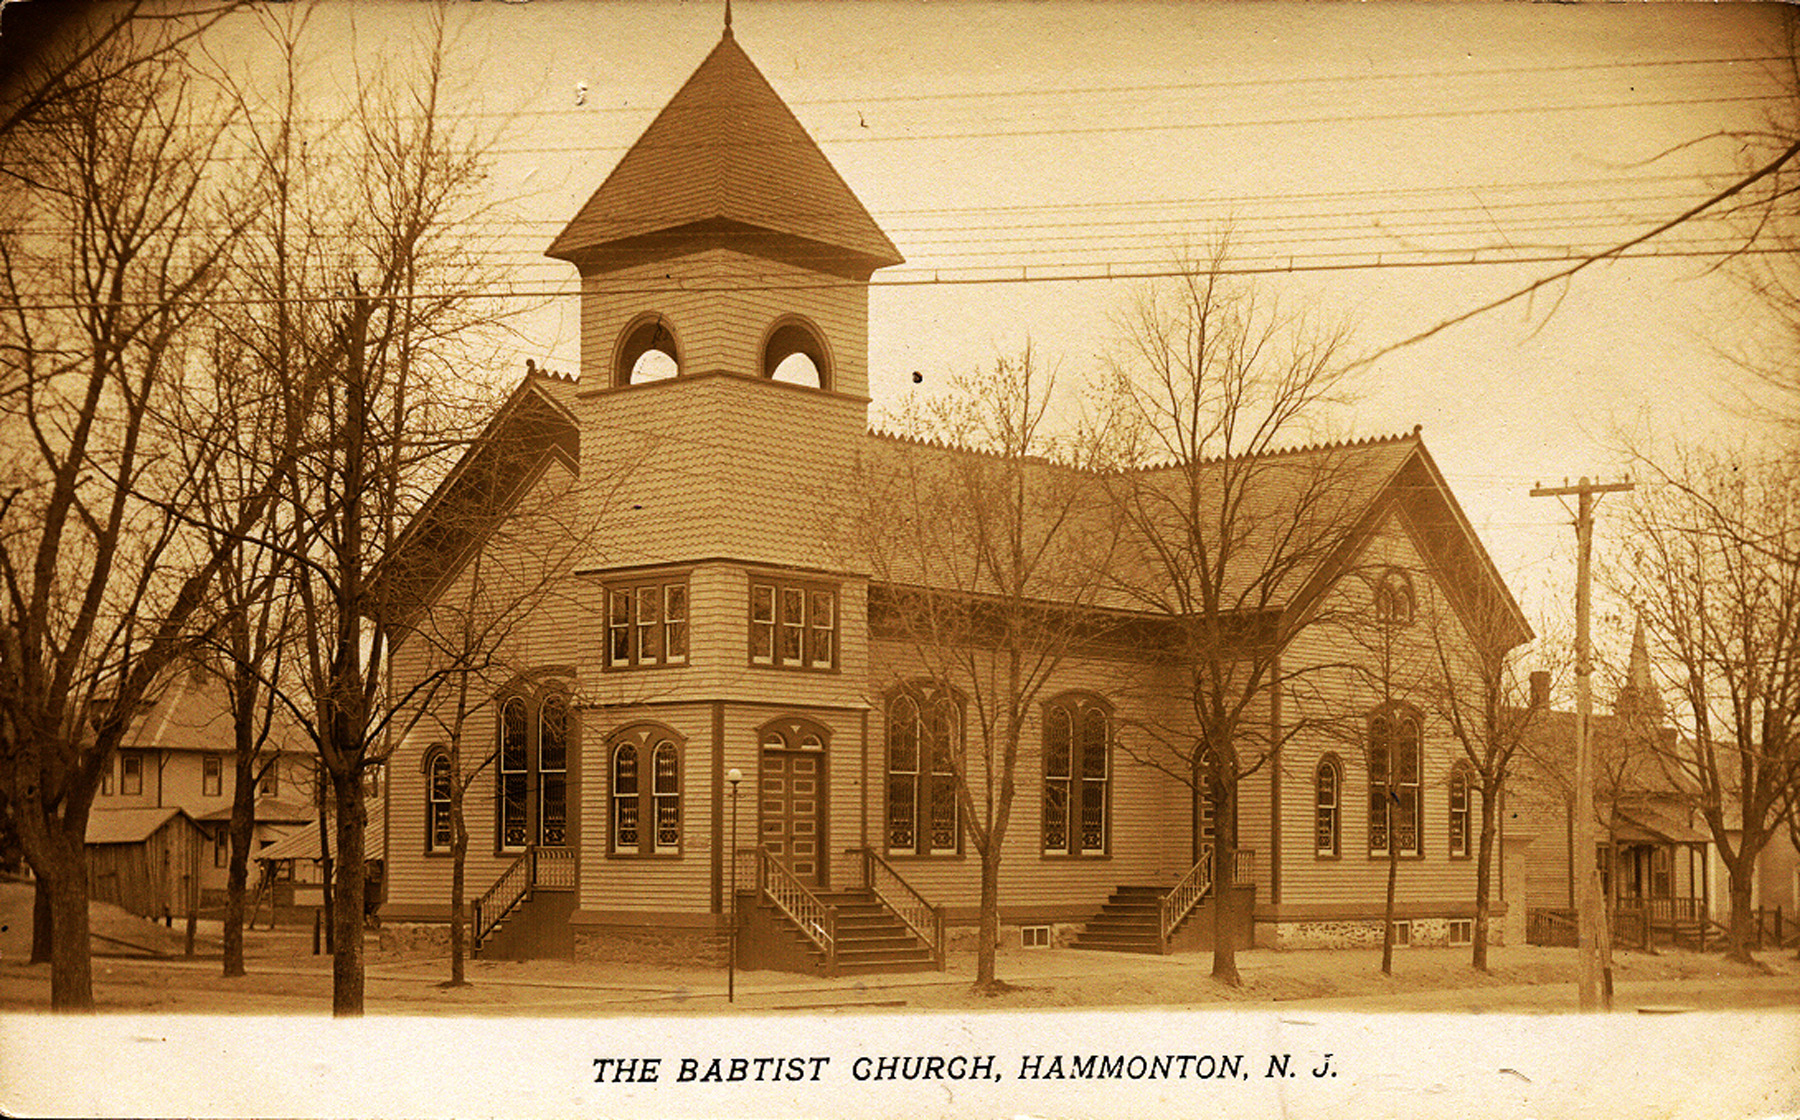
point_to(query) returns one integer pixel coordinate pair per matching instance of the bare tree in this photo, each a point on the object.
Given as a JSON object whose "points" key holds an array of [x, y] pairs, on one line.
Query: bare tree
{"points": [[987, 542], [1223, 533], [369, 339], [494, 549], [1711, 562], [115, 232], [1477, 689]]}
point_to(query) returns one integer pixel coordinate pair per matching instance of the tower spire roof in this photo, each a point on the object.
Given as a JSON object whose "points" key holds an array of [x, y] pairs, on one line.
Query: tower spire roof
{"points": [[727, 153]]}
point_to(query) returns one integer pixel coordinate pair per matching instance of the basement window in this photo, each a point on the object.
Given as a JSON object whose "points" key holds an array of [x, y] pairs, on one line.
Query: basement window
{"points": [[1462, 931], [1402, 934], [1034, 937]]}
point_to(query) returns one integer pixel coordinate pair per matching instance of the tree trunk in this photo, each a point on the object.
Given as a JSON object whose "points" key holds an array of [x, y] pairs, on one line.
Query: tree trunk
{"points": [[43, 930], [237, 872], [346, 894], [71, 967], [1224, 962], [1484, 882], [1741, 932], [459, 860], [987, 938], [1387, 915]]}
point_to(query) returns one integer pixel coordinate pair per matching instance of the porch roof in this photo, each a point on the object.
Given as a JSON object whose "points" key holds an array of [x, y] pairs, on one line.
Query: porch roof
{"points": [[304, 843], [1645, 823]]}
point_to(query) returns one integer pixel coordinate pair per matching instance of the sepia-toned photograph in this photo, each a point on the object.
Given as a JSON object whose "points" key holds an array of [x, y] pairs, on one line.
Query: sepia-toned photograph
{"points": [[986, 558]]}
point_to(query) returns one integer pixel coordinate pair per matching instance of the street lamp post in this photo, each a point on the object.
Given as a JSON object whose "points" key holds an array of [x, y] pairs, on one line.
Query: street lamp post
{"points": [[734, 776]]}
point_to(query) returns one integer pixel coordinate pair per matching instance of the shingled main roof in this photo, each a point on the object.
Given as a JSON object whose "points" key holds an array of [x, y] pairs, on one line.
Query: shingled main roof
{"points": [[726, 149]]}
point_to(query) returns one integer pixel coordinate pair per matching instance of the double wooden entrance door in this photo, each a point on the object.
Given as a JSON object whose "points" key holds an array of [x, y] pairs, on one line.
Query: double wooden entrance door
{"points": [[791, 821]]}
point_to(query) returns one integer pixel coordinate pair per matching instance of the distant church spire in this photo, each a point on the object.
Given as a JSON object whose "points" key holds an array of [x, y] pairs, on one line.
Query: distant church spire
{"points": [[1639, 696]]}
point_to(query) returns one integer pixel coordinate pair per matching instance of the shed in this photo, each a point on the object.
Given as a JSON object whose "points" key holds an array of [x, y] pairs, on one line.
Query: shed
{"points": [[145, 861]]}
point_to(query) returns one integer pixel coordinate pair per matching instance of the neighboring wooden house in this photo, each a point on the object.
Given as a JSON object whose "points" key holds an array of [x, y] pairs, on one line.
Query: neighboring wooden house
{"points": [[719, 625], [1652, 849], [178, 756]]}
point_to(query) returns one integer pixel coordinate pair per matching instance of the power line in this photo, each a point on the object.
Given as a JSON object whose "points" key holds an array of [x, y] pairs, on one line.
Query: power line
{"points": [[1016, 274]]}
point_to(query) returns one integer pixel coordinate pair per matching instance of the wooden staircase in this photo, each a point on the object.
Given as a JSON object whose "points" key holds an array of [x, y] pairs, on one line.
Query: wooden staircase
{"points": [[1129, 922], [881, 925], [870, 937]]}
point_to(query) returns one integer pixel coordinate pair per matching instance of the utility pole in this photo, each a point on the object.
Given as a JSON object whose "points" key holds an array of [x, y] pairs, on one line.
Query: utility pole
{"points": [[1589, 935]]}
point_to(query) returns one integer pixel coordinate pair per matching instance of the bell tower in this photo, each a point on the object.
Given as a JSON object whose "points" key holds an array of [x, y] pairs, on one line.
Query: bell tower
{"points": [[724, 329], [725, 242]]}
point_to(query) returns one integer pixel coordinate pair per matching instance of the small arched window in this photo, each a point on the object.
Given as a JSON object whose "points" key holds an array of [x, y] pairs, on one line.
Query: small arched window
{"points": [[1328, 815], [795, 353], [1077, 776], [1395, 802], [438, 826], [1462, 798], [1394, 601], [924, 732], [647, 352], [645, 791]]}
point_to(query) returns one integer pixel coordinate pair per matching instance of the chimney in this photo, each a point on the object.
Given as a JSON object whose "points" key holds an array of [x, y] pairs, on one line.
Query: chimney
{"points": [[1540, 689]]}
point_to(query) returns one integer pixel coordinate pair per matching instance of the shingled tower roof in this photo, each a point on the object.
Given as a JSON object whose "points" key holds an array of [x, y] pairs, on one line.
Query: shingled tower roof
{"points": [[726, 152]]}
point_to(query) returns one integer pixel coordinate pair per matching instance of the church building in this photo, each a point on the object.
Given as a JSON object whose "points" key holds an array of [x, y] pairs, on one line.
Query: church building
{"points": [[701, 716]]}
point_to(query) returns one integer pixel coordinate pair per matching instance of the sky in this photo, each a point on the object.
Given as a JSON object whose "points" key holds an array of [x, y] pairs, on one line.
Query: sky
{"points": [[1364, 154]]}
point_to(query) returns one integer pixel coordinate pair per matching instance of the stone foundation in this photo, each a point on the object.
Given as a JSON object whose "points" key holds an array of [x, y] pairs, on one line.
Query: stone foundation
{"points": [[408, 937], [963, 938], [1360, 933], [704, 947]]}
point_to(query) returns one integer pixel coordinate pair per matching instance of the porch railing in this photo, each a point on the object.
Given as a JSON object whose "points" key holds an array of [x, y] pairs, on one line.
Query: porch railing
{"points": [[925, 920], [1663, 911], [510, 889], [1179, 900], [805, 909], [549, 868]]}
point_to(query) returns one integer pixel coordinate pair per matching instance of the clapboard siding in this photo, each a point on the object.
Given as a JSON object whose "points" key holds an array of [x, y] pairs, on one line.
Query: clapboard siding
{"points": [[1341, 701], [1149, 812], [722, 327]]}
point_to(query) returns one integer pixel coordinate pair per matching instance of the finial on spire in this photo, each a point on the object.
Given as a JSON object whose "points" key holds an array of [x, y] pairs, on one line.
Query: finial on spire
{"points": [[728, 19]]}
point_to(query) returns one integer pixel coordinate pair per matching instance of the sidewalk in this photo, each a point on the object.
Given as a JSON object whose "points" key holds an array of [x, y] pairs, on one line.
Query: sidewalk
{"points": [[1521, 978]]}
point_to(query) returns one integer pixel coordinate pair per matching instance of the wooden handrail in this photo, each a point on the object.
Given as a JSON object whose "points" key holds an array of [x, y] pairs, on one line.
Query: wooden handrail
{"points": [[805, 909], [925, 920], [1179, 900], [507, 892]]}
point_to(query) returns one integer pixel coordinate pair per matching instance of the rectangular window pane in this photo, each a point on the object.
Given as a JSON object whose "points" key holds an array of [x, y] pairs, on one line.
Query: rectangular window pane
{"points": [[649, 624], [823, 620], [675, 621], [1093, 817], [1056, 816], [555, 811], [901, 837], [793, 624], [762, 623], [212, 776], [618, 629], [512, 811], [131, 775]]}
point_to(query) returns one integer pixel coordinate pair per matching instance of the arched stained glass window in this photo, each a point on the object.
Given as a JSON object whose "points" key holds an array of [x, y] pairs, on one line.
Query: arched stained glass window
{"points": [[1077, 776]]}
